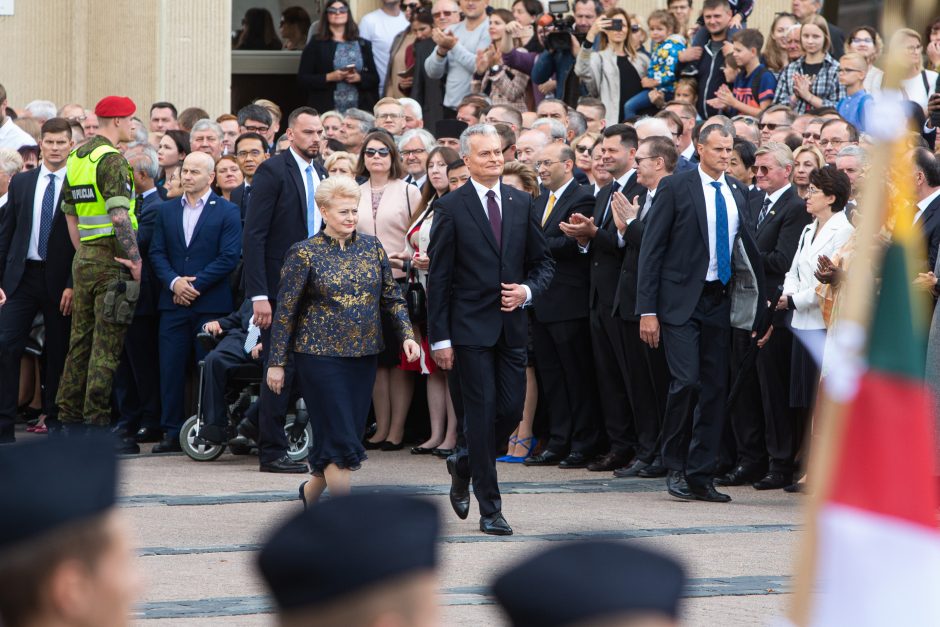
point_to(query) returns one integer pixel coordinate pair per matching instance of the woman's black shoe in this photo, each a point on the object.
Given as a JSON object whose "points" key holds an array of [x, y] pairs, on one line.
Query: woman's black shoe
{"points": [[443, 453], [373, 446], [418, 450], [388, 446]]}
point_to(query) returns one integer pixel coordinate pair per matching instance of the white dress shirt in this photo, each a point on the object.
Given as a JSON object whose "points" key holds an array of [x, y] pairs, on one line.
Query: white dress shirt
{"points": [[419, 183], [12, 136], [689, 151], [775, 197], [32, 251], [732, 207], [191, 214], [922, 205], [152, 190], [482, 191]]}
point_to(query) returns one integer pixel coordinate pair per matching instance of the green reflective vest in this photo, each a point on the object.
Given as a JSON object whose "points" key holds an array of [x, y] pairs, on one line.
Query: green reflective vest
{"points": [[94, 221]]}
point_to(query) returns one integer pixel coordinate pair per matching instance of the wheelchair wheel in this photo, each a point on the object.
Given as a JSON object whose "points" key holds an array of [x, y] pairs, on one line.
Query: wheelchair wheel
{"points": [[298, 443], [199, 453]]}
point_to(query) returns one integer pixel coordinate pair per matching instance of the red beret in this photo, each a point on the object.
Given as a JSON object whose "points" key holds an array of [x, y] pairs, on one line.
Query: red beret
{"points": [[115, 107]]}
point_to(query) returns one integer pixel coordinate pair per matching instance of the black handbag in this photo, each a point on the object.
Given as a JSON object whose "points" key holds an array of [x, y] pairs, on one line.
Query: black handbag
{"points": [[416, 299]]}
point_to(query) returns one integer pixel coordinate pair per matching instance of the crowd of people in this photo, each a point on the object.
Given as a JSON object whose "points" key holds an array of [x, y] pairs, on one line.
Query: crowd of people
{"points": [[570, 226]]}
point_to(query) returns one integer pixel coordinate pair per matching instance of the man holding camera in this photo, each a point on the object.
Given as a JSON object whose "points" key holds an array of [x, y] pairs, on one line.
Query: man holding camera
{"points": [[562, 43]]}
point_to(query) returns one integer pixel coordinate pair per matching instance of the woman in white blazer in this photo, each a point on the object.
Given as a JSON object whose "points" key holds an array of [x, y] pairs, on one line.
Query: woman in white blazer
{"points": [[385, 208], [614, 64], [828, 191]]}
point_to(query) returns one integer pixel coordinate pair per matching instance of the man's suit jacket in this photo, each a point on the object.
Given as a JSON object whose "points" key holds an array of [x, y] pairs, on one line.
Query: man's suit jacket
{"points": [[930, 226], [606, 254], [146, 212], [211, 255], [426, 90], [276, 220], [467, 267], [16, 225], [240, 199], [625, 297], [779, 233], [674, 255], [567, 295], [236, 323]]}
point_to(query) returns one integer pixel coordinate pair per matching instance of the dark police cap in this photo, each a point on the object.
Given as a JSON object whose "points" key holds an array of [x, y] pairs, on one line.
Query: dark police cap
{"points": [[449, 128], [54, 483], [587, 581], [347, 544]]}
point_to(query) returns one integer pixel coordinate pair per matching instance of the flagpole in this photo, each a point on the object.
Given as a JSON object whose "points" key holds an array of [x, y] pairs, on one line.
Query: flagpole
{"points": [[849, 333]]}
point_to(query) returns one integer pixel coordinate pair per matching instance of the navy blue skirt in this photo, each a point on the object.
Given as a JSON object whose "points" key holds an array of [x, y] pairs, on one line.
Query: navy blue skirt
{"points": [[338, 394]]}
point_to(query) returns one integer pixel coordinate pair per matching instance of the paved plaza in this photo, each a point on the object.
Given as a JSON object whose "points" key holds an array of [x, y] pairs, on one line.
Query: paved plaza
{"points": [[198, 527]]}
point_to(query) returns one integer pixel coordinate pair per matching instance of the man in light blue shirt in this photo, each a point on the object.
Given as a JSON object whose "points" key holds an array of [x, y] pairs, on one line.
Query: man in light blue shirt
{"points": [[455, 53]]}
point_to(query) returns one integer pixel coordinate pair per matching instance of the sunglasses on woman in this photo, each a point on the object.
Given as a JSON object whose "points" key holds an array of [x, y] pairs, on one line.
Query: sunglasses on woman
{"points": [[337, 10], [371, 152]]}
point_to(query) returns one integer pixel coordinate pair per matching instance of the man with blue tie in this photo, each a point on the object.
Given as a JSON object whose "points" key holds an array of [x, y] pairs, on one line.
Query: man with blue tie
{"points": [[281, 212], [36, 254], [695, 252], [196, 245]]}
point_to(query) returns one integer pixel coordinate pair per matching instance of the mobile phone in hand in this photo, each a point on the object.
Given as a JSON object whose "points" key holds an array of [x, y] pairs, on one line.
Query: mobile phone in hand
{"points": [[934, 103], [616, 24]]}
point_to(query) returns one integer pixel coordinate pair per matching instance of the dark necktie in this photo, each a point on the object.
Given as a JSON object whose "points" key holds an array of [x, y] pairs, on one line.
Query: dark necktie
{"points": [[763, 212], [613, 190], [722, 253], [496, 220], [45, 219]]}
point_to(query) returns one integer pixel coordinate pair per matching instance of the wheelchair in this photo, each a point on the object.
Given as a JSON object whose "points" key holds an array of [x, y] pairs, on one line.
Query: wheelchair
{"points": [[242, 389]]}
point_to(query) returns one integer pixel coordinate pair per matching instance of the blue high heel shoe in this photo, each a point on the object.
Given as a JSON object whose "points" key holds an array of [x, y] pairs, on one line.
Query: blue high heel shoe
{"points": [[529, 443]]}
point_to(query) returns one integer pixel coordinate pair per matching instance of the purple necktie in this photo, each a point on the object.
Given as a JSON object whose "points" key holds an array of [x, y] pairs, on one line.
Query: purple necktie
{"points": [[496, 221]]}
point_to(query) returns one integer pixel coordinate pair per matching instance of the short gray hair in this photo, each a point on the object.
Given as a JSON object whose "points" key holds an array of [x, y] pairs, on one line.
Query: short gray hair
{"points": [[366, 120], [655, 127], [413, 105], [556, 129], [43, 109], [576, 123], [10, 161], [722, 128], [143, 159], [426, 139], [780, 152], [855, 151], [206, 124], [486, 130]]}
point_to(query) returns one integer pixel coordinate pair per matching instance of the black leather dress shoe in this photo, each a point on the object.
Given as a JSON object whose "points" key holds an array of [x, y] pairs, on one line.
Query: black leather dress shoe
{"points": [[678, 487], [126, 446], [740, 475], [707, 492], [653, 471], [575, 460], [420, 450], [284, 465], [609, 462], [148, 434], [774, 481], [632, 470], [545, 458], [389, 446], [495, 525], [168, 445], [459, 490]]}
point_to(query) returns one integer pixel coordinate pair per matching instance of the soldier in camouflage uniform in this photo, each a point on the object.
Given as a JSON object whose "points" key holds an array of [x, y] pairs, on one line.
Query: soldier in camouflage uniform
{"points": [[98, 200]]}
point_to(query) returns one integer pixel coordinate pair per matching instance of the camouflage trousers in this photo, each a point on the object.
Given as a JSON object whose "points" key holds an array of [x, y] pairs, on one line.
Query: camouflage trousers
{"points": [[95, 345]]}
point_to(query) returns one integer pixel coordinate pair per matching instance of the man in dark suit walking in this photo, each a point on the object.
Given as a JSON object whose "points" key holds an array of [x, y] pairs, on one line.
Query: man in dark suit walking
{"points": [[488, 260], [36, 253], [763, 423], [136, 381], [597, 237], [694, 243], [196, 245], [648, 380], [281, 212], [562, 357]]}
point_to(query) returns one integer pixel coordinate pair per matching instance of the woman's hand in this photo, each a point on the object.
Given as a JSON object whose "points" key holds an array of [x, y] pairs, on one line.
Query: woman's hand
{"points": [[598, 25], [352, 76], [336, 76], [421, 262], [493, 56], [802, 86], [481, 62], [783, 303], [933, 53], [276, 378], [412, 350]]}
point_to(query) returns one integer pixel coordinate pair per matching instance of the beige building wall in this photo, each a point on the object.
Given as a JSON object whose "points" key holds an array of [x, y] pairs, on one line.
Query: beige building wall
{"points": [[177, 50]]}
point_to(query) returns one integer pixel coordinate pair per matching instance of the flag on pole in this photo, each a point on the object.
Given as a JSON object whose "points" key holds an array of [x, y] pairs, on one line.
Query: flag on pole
{"points": [[877, 558]]}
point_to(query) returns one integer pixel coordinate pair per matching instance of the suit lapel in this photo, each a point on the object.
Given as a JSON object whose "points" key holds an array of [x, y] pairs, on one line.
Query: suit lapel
{"points": [[478, 213], [604, 197], [27, 205], [698, 201], [294, 173], [178, 221], [210, 206], [507, 198], [561, 204]]}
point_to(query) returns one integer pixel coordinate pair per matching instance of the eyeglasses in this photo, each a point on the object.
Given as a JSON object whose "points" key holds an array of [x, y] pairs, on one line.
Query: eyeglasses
{"points": [[584, 150], [915, 48], [770, 126], [634, 28], [547, 163], [242, 154], [257, 129], [437, 14], [832, 142], [639, 159], [389, 116], [812, 189], [862, 40], [760, 169], [371, 152], [814, 136], [416, 151], [337, 10]]}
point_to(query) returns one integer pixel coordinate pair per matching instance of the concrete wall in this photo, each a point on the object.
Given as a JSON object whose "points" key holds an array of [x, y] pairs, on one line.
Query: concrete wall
{"points": [[176, 50]]}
